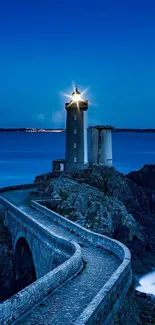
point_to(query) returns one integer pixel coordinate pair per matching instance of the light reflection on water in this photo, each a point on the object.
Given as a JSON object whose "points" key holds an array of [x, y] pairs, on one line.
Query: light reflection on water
{"points": [[147, 283]]}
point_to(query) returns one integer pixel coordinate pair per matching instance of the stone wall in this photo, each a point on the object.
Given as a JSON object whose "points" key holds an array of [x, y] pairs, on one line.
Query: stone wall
{"points": [[21, 224], [6, 269], [105, 305], [37, 236], [18, 187]]}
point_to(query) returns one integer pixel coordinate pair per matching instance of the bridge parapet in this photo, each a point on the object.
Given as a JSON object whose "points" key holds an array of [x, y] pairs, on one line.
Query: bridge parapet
{"points": [[19, 223], [105, 304], [10, 211]]}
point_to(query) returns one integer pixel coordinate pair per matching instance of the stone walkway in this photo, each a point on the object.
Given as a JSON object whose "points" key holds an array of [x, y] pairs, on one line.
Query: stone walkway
{"points": [[69, 301]]}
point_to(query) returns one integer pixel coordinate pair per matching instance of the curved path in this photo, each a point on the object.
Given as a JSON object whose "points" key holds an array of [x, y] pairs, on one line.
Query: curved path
{"points": [[69, 301]]}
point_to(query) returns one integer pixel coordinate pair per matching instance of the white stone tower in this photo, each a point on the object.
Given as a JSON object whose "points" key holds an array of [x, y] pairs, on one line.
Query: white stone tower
{"points": [[100, 145]]}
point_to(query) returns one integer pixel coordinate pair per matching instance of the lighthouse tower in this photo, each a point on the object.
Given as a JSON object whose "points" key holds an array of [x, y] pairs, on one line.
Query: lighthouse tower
{"points": [[76, 133]]}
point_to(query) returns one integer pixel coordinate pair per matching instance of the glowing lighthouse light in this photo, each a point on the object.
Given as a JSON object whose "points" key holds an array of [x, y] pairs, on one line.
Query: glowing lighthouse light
{"points": [[76, 95]]}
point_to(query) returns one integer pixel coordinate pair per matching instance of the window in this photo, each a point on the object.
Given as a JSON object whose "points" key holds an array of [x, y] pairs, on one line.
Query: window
{"points": [[75, 131], [75, 117], [61, 167], [74, 159], [74, 145]]}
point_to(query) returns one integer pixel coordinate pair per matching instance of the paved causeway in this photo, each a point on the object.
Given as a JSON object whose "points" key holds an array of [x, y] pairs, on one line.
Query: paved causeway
{"points": [[69, 301]]}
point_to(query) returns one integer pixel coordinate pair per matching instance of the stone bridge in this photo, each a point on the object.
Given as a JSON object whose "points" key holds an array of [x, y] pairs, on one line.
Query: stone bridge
{"points": [[65, 274]]}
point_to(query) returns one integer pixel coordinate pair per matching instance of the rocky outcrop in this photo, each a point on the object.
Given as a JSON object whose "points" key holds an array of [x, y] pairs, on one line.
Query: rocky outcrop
{"points": [[144, 177], [146, 306], [89, 206], [44, 177], [106, 201]]}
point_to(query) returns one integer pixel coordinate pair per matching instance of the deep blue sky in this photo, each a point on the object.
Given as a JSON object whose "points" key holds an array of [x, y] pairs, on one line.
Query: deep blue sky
{"points": [[108, 45]]}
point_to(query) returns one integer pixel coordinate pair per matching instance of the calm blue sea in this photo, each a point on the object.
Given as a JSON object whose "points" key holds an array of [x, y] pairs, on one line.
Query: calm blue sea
{"points": [[25, 155]]}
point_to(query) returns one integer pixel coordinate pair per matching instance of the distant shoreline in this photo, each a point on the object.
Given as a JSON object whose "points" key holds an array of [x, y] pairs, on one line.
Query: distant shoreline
{"points": [[37, 130], [133, 130], [31, 130]]}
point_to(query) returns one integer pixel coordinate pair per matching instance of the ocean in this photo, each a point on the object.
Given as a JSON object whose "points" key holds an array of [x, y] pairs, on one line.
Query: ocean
{"points": [[25, 155]]}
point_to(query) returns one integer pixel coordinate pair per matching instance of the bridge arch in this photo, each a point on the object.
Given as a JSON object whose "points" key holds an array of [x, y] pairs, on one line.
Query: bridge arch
{"points": [[23, 263]]}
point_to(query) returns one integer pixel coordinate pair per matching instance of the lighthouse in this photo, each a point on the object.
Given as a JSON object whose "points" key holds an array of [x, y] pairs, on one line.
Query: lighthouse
{"points": [[76, 133], [99, 149]]}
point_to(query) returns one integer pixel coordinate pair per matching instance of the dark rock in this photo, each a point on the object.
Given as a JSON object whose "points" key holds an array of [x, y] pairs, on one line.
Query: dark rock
{"points": [[43, 177], [146, 306], [144, 177]]}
